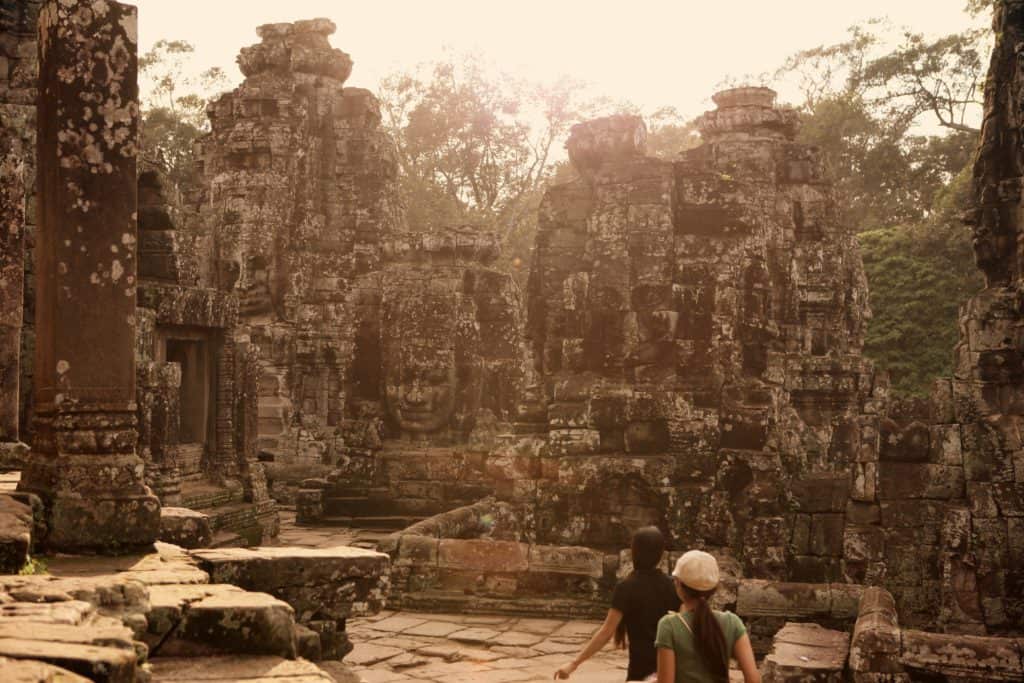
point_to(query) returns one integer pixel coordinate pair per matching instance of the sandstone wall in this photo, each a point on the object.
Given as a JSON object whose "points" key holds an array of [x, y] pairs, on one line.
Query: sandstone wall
{"points": [[18, 75], [299, 193], [698, 326]]}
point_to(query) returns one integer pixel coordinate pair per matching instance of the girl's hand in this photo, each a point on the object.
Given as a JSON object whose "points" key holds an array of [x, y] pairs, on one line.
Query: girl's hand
{"points": [[565, 672]]}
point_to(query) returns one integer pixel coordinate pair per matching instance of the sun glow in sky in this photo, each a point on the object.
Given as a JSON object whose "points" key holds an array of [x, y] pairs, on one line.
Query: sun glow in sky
{"points": [[653, 53]]}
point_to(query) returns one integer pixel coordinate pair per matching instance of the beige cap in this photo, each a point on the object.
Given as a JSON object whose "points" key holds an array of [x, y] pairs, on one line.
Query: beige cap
{"points": [[697, 569]]}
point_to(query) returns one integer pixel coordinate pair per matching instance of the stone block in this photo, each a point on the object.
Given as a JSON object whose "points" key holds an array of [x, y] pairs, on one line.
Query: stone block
{"points": [[910, 443], [264, 569], [307, 643], [807, 652], [827, 534], [822, 493], [566, 560], [960, 657], [235, 669], [900, 481], [483, 555], [96, 663], [219, 619], [863, 543], [16, 526], [875, 647], [777, 599], [184, 527], [419, 552], [32, 671]]}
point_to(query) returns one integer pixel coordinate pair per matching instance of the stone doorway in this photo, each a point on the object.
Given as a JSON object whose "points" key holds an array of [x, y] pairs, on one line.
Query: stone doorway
{"points": [[191, 351]]}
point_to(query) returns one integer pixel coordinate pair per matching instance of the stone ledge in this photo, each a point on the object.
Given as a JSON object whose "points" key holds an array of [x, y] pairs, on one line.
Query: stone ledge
{"points": [[237, 669], [33, 671], [959, 656]]}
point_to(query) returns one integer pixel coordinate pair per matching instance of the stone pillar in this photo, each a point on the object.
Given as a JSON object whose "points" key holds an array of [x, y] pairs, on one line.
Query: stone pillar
{"points": [[84, 462], [12, 249]]}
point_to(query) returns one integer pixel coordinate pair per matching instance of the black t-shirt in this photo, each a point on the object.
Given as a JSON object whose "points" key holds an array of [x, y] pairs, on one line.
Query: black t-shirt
{"points": [[644, 598]]}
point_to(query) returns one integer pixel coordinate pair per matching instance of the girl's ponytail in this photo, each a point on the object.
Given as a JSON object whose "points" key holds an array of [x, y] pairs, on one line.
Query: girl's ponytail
{"points": [[708, 637]]}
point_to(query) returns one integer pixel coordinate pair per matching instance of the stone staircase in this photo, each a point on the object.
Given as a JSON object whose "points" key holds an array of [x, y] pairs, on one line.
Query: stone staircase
{"points": [[233, 521], [369, 508]]}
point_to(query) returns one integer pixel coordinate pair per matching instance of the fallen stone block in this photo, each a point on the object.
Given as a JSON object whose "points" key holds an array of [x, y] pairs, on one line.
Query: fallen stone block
{"points": [[778, 599], [218, 619], [307, 643], [31, 671], [566, 560], [237, 670], [333, 583], [807, 653], [483, 555], [184, 527], [100, 664], [957, 657], [15, 534], [875, 647]]}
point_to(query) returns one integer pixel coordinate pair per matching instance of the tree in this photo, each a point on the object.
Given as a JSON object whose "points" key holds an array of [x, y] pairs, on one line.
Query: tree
{"points": [[669, 133], [898, 127], [477, 146], [174, 106], [919, 275]]}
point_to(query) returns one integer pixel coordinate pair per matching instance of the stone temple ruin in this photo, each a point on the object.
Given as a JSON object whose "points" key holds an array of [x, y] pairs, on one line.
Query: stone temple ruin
{"points": [[688, 354]]}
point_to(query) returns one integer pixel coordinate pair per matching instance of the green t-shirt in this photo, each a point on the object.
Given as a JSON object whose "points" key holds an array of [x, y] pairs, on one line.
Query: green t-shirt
{"points": [[673, 635]]}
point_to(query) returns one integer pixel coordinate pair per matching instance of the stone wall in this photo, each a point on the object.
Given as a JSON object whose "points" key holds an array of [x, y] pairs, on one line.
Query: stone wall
{"points": [[298, 196], [18, 75], [698, 327], [943, 530]]}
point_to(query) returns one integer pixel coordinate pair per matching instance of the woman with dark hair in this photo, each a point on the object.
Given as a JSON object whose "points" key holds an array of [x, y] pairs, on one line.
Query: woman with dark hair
{"points": [[695, 644], [637, 604]]}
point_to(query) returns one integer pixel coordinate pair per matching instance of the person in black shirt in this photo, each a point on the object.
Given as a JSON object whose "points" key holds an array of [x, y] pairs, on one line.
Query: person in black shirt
{"points": [[638, 603]]}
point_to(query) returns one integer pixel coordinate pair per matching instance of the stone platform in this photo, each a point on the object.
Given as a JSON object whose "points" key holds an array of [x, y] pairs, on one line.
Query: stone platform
{"points": [[457, 648], [131, 618]]}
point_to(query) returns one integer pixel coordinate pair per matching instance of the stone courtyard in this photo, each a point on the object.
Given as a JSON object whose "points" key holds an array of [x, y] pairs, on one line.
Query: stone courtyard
{"points": [[266, 429]]}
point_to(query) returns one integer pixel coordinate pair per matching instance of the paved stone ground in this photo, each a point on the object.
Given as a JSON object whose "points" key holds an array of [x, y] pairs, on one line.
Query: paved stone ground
{"points": [[411, 646], [312, 536]]}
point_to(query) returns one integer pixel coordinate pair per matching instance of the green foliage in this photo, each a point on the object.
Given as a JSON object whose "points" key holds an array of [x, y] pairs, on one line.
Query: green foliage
{"points": [[174, 107], [477, 146], [34, 566], [919, 275], [895, 116]]}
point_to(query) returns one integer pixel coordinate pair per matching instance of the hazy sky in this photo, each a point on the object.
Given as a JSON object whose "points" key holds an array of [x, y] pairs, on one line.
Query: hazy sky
{"points": [[651, 52]]}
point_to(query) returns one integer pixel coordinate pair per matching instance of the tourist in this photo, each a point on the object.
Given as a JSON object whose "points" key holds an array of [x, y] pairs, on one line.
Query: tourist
{"points": [[695, 644], [637, 604]]}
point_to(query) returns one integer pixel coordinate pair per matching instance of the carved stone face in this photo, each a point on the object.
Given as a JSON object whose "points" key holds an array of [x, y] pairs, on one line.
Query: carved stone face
{"points": [[420, 390]]}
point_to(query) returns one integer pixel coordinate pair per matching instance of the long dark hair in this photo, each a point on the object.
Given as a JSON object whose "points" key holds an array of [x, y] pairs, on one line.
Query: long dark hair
{"points": [[707, 634], [647, 547]]}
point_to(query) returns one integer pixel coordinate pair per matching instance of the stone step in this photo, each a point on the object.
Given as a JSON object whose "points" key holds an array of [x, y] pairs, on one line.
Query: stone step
{"points": [[103, 664], [237, 669], [386, 523], [807, 652], [228, 539], [218, 619], [354, 506], [458, 602], [32, 671]]}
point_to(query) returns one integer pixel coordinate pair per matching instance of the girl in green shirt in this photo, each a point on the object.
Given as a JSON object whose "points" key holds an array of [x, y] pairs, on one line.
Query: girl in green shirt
{"points": [[695, 644]]}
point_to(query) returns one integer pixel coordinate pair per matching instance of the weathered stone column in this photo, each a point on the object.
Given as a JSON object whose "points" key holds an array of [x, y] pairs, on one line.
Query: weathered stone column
{"points": [[84, 462], [12, 268]]}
